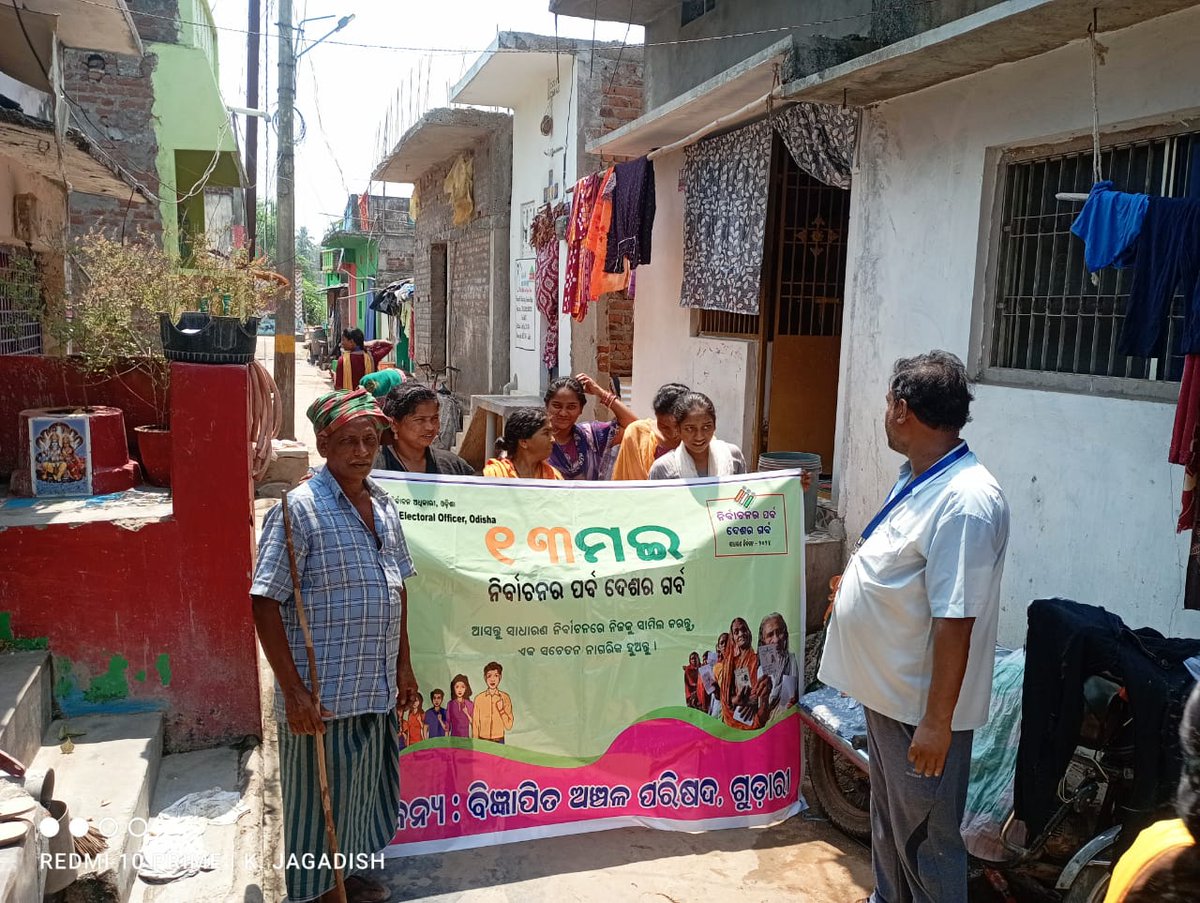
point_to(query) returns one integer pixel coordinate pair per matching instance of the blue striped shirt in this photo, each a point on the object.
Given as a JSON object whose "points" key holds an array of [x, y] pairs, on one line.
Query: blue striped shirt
{"points": [[351, 588]]}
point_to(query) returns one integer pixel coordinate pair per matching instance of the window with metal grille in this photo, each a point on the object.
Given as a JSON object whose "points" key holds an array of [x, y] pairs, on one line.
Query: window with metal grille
{"points": [[723, 324], [691, 10], [1050, 316], [20, 302]]}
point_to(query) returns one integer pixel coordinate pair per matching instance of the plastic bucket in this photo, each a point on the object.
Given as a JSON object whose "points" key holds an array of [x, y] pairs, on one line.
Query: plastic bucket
{"points": [[789, 460]]}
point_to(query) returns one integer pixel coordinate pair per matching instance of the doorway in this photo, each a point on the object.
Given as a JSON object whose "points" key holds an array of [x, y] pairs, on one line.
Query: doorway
{"points": [[801, 327], [438, 295]]}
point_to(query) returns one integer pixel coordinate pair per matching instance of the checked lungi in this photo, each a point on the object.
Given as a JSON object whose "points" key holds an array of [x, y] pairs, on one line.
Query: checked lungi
{"points": [[362, 756]]}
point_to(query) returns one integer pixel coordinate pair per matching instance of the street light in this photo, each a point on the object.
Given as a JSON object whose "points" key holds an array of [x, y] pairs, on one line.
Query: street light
{"points": [[342, 23]]}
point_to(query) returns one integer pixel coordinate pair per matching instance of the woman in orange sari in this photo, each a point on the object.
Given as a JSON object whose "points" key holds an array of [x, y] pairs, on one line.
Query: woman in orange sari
{"points": [[739, 678], [524, 448]]}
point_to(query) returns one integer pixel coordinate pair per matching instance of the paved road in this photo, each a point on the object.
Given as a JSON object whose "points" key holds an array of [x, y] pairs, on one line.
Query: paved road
{"points": [[310, 382], [798, 860]]}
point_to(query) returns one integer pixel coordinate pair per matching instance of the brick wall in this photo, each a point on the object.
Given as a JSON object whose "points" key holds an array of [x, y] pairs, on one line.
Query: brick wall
{"points": [[614, 340], [609, 98], [611, 95], [476, 331], [112, 103], [156, 20]]}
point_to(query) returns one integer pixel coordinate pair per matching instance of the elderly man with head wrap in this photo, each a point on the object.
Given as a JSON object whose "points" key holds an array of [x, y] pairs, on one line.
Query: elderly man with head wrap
{"points": [[352, 562]]}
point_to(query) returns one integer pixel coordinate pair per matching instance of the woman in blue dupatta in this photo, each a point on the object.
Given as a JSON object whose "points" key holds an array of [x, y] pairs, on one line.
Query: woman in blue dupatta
{"points": [[584, 451]]}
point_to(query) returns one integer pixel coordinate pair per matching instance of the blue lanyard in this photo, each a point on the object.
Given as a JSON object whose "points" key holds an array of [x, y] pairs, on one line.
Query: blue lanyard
{"points": [[943, 464]]}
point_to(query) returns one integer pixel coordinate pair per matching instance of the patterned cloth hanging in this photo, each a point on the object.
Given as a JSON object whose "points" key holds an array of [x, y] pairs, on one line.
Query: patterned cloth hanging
{"points": [[544, 241], [577, 290], [725, 220], [821, 139]]}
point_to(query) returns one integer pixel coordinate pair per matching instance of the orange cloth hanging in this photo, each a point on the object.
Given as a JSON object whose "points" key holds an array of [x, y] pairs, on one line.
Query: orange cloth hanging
{"points": [[602, 283]]}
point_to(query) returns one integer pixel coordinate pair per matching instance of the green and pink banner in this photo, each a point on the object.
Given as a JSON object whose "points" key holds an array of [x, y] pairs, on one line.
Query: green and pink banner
{"points": [[604, 655]]}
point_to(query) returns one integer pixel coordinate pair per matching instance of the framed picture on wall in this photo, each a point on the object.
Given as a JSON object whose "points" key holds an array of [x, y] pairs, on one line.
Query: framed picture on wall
{"points": [[60, 456]]}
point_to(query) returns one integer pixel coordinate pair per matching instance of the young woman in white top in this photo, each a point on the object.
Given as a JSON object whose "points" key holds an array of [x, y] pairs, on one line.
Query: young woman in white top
{"points": [[699, 453]]}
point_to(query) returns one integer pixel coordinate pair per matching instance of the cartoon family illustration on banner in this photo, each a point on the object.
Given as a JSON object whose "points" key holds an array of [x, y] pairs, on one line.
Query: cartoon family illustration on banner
{"points": [[487, 717]]}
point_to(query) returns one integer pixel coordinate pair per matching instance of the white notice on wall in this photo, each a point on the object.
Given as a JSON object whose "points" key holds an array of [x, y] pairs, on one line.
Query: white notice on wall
{"points": [[524, 319]]}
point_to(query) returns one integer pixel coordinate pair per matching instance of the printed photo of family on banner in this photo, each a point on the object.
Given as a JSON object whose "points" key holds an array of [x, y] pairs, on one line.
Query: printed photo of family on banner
{"points": [[549, 624]]}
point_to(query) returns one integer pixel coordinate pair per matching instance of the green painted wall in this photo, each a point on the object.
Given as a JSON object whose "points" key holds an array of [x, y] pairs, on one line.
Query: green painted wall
{"points": [[190, 122], [366, 261]]}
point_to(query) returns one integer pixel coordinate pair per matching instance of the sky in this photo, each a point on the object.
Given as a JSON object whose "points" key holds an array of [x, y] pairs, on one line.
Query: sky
{"points": [[344, 93]]}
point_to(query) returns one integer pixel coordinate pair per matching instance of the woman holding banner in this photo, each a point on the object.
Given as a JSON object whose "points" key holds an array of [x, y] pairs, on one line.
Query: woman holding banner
{"points": [[524, 448], [584, 451], [699, 453]]}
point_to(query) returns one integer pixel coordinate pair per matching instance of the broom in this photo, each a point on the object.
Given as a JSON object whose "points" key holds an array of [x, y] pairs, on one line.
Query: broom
{"points": [[322, 768]]}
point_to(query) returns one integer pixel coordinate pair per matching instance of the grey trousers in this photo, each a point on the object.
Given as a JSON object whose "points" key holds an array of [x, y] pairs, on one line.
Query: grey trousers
{"points": [[917, 850]]}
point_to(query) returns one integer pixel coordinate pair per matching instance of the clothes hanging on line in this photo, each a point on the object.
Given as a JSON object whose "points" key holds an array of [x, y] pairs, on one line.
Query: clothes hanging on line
{"points": [[1167, 259], [1109, 225], [1160, 238], [632, 217], [1184, 446], [545, 280], [577, 291], [600, 282]]}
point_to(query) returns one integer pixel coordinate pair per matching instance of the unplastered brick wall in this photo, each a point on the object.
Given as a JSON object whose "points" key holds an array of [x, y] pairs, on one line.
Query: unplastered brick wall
{"points": [[614, 340], [475, 324], [158, 20], [610, 96], [112, 102]]}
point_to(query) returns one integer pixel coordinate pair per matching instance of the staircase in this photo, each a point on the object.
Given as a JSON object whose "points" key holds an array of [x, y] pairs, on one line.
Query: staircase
{"points": [[105, 774]]}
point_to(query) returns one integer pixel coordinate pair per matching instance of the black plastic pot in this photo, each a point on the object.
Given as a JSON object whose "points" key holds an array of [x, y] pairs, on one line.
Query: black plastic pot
{"points": [[204, 339]]}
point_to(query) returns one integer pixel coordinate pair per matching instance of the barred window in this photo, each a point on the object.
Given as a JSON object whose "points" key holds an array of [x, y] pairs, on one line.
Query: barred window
{"points": [[1050, 315], [20, 302], [691, 10]]}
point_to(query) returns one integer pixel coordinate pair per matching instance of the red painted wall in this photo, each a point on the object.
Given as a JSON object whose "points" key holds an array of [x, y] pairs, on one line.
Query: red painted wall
{"points": [[178, 587], [43, 382]]}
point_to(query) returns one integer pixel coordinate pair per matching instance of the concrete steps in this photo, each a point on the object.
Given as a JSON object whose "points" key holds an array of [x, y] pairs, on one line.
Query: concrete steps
{"points": [[108, 777], [25, 691]]}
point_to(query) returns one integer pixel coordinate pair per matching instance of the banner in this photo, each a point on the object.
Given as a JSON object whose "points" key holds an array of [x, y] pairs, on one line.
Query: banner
{"points": [[604, 655]]}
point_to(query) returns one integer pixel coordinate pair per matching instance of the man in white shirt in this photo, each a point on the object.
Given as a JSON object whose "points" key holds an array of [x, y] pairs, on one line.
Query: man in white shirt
{"points": [[913, 632]]}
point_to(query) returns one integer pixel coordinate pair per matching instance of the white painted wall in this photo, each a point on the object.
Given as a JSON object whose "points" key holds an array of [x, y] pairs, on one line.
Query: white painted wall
{"points": [[664, 349], [1093, 498], [530, 168]]}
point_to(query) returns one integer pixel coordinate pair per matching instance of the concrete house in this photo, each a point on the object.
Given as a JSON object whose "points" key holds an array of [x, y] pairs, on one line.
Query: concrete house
{"points": [[370, 248], [459, 163], [971, 119], [563, 94], [161, 118], [34, 126]]}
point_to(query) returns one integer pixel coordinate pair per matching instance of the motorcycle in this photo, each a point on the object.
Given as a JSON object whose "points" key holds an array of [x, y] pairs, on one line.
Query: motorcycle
{"points": [[1073, 854]]}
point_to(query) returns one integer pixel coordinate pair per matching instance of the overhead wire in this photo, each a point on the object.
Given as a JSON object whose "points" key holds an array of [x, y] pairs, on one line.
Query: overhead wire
{"points": [[831, 20]]}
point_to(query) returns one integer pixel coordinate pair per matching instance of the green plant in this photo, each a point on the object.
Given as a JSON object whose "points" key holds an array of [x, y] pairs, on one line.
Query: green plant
{"points": [[109, 321]]}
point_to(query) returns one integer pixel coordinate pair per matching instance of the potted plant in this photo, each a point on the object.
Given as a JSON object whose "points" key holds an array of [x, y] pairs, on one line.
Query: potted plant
{"points": [[230, 295], [111, 325]]}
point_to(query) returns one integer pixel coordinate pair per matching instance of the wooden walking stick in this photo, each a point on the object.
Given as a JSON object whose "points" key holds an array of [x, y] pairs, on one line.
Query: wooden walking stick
{"points": [[322, 768]]}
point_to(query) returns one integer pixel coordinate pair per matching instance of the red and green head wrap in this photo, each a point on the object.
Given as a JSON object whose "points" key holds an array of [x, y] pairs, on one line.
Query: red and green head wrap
{"points": [[333, 410]]}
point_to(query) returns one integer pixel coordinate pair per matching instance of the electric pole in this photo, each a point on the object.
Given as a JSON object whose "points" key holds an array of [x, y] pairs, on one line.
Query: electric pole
{"points": [[285, 232], [252, 48]]}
